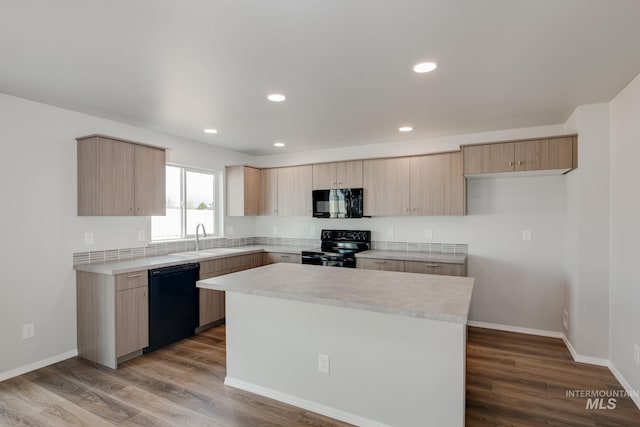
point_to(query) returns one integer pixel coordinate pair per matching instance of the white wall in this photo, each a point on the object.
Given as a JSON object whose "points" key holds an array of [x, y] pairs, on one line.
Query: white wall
{"points": [[587, 234], [38, 175], [625, 233]]}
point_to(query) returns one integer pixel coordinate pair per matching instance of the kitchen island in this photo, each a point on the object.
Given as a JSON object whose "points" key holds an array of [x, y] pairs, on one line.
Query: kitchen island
{"points": [[372, 348]]}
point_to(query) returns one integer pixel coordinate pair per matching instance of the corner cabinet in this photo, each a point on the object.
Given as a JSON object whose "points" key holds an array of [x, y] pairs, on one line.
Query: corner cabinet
{"points": [[554, 155], [244, 186], [120, 178], [113, 316]]}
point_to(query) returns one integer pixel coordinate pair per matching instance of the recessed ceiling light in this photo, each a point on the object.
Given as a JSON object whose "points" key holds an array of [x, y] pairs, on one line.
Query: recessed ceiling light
{"points": [[276, 97], [211, 130], [425, 67], [278, 144], [405, 129]]}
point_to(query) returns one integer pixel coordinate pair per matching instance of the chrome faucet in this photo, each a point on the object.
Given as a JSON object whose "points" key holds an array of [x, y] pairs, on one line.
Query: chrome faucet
{"points": [[204, 234]]}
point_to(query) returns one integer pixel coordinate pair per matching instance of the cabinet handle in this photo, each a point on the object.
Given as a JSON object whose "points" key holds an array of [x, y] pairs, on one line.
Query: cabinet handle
{"points": [[131, 276], [520, 162], [380, 262], [414, 209], [284, 256], [432, 265], [510, 163]]}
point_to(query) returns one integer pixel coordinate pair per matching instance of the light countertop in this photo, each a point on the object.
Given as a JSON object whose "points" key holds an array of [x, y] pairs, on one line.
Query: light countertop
{"points": [[427, 296], [135, 264]]}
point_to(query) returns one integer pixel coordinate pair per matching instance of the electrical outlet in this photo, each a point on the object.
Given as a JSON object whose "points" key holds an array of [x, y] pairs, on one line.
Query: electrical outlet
{"points": [[275, 230], [565, 320], [323, 363], [28, 331], [141, 236], [229, 230], [526, 234], [636, 354], [389, 232], [88, 238], [312, 231], [428, 233]]}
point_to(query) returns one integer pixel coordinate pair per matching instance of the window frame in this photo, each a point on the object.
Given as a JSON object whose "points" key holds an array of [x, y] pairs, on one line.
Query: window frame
{"points": [[217, 198]]}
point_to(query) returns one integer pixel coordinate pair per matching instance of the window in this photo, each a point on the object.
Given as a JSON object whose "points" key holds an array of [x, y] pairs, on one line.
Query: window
{"points": [[191, 199]]}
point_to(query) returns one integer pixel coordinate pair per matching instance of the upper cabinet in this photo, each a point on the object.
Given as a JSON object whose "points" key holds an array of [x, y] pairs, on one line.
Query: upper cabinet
{"points": [[337, 175], [557, 154], [294, 191], [421, 185], [269, 194], [244, 186], [119, 178], [386, 187]]}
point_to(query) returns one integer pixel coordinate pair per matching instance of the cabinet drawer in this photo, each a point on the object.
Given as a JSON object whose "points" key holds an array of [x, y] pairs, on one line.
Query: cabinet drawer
{"points": [[441, 268], [135, 279], [273, 257], [380, 264], [209, 267]]}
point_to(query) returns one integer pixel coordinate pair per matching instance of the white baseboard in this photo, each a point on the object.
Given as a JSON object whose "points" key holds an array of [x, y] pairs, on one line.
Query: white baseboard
{"points": [[518, 329], [303, 403], [37, 365], [583, 359], [633, 394]]}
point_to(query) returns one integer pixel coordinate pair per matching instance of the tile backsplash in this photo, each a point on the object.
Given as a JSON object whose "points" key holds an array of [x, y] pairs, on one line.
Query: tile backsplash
{"points": [[164, 248]]}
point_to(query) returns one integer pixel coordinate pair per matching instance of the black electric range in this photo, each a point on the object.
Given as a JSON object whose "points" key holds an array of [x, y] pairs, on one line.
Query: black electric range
{"points": [[338, 248]]}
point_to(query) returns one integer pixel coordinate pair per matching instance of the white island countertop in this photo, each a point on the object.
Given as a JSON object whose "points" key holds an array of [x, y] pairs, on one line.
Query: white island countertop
{"points": [[427, 296]]}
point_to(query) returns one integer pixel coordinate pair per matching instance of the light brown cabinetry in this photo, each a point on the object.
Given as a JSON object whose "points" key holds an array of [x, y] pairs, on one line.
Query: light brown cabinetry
{"points": [[119, 178], [380, 264], [269, 193], [212, 305], [337, 175], [444, 269], [386, 186], [273, 257], [419, 185], [550, 154], [112, 316], [244, 187], [436, 185], [294, 191], [423, 267]]}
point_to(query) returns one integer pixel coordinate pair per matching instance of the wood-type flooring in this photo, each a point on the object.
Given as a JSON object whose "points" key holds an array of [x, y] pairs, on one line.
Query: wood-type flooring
{"points": [[512, 380]]}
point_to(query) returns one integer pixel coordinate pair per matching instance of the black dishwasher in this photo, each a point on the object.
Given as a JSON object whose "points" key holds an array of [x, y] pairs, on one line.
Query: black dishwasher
{"points": [[173, 304]]}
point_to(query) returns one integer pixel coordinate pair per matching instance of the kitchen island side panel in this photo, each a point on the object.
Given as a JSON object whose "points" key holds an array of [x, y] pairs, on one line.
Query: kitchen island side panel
{"points": [[386, 369]]}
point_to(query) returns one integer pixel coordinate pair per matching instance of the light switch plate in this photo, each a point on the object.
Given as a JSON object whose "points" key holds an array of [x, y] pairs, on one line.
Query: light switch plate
{"points": [[323, 363], [141, 236], [526, 234]]}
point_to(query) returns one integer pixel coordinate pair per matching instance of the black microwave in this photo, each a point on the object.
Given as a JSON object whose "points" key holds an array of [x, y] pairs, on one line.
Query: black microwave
{"points": [[338, 203]]}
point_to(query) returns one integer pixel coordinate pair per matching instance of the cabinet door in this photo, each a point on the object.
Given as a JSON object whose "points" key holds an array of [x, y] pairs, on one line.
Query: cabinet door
{"points": [[132, 320], [380, 264], [269, 194], [349, 174], [437, 184], [149, 182], [324, 176], [252, 189], [243, 190], [273, 257], [488, 158], [386, 187], [105, 177], [444, 269], [544, 154], [211, 306], [294, 191]]}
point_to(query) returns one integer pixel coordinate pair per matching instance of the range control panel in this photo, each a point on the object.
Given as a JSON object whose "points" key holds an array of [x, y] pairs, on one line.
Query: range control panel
{"points": [[348, 235]]}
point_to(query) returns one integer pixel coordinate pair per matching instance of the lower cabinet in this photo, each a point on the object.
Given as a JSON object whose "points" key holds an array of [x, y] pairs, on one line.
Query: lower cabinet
{"points": [[112, 316], [211, 306], [380, 264], [273, 257], [424, 267]]}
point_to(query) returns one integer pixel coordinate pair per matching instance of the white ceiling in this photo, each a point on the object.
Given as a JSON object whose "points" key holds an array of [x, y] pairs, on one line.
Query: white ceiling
{"points": [[344, 65]]}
